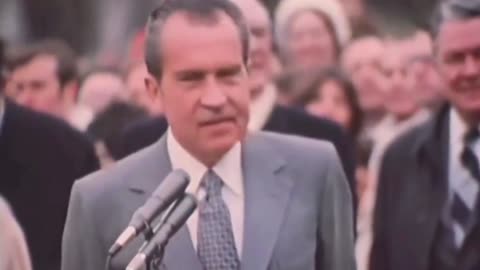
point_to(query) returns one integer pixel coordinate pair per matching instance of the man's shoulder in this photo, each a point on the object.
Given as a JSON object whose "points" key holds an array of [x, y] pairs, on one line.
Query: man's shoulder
{"points": [[43, 127], [412, 139], [296, 148], [405, 148], [45, 132], [303, 117], [151, 125], [120, 174], [302, 123]]}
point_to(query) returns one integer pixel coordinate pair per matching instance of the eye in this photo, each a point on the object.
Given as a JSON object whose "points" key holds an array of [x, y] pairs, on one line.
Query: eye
{"points": [[190, 76], [229, 73], [454, 58]]}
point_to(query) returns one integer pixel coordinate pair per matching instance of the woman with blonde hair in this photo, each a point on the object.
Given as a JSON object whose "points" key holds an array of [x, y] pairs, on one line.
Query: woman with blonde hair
{"points": [[13, 248]]}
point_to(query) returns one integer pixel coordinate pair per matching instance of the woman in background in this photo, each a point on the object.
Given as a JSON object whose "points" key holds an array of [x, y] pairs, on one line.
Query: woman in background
{"points": [[332, 95], [13, 248], [310, 33]]}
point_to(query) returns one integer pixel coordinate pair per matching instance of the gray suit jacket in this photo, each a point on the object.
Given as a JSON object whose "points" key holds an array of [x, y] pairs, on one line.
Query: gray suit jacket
{"points": [[297, 213]]}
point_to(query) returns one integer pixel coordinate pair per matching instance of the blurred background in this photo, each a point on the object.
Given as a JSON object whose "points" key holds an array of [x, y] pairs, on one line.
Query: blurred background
{"points": [[105, 28]]}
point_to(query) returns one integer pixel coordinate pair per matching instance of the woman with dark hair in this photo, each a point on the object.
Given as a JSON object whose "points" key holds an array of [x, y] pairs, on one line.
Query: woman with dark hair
{"points": [[332, 95]]}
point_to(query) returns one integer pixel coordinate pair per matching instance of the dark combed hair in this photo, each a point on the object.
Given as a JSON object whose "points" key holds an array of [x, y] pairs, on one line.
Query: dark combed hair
{"points": [[202, 8], [109, 124], [337, 75], [67, 70], [450, 10]]}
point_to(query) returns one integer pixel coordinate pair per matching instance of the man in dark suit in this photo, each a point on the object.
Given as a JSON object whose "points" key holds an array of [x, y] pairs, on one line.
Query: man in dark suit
{"points": [[264, 113], [271, 201], [427, 214], [40, 157]]}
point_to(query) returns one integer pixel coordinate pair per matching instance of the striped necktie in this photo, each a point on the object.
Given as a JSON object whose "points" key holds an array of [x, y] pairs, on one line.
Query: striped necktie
{"points": [[463, 215]]}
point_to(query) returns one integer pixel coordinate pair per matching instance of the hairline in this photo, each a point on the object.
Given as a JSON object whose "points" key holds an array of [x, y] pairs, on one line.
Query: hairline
{"points": [[154, 48]]}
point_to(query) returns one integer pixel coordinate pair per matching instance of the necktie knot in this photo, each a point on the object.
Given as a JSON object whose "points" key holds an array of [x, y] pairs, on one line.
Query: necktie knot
{"points": [[212, 184]]}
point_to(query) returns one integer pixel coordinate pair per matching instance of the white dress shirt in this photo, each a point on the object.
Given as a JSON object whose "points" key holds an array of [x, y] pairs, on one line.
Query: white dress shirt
{"points": [[229, 169]]}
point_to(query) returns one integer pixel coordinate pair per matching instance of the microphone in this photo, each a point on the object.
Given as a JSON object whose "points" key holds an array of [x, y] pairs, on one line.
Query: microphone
{"points": [[172, 187], [173, 222]]}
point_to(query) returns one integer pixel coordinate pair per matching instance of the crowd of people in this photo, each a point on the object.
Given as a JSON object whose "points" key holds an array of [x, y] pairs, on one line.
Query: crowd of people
{"points": [[402, 112]]}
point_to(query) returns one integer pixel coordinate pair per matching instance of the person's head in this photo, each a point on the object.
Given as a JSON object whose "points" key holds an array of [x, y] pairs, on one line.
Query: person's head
{"points": [[43, 76], [457, 46], [361, 59], [310, 33], [355, 9], [423, 68], [197, 53], [261, 66], [332, 95], [400, 95], [100, 87], [107, 127], [137, 91]]}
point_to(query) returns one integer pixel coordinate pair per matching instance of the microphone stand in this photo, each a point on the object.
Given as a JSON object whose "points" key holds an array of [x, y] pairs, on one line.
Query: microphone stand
{"points": [[148, 233], [157, 257]]}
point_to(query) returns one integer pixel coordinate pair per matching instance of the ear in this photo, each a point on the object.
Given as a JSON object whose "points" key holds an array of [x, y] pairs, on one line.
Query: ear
{"points": [[153, 87], [70, 93]]}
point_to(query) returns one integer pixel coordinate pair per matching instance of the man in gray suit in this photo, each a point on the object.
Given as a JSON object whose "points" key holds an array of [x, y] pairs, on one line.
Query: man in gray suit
{"points": [[277, 201]]}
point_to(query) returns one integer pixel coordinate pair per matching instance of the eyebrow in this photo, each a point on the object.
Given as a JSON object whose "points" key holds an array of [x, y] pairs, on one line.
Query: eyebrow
{"points": [[190, 74], [229, 70]]}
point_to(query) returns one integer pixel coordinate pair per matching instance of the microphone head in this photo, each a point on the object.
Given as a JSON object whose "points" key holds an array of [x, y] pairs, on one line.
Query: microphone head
{"points": [[169, 190]]}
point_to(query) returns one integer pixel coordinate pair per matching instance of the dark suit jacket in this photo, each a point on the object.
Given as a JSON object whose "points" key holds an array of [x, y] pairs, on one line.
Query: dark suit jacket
{"points": [[282, 120], [412, 192], [40, 157]]}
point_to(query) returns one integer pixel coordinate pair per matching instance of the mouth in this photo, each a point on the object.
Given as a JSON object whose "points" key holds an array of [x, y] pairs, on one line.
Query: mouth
{"points": [[217, 121]]}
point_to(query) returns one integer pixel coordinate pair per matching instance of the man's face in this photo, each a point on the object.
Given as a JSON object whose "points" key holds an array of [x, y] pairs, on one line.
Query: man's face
{"points": [[36, 85], [362, 60], [261, 55], [400, 95], [100, 89], [204, 85], [459, 63]]}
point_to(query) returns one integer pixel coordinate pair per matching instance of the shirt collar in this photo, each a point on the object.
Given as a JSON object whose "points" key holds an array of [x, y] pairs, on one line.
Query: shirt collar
{"points": [[458, 128], [229, 168]]}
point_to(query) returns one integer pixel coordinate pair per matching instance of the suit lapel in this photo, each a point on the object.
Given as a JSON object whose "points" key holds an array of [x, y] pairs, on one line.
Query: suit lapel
{"points": [[267, 191], [180, 253], [156, 167], [433, 191]]}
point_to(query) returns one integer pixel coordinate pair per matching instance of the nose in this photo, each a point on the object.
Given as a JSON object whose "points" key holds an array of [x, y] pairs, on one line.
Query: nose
{"points": [[214, 95], [25, 98], [471, 66]]}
